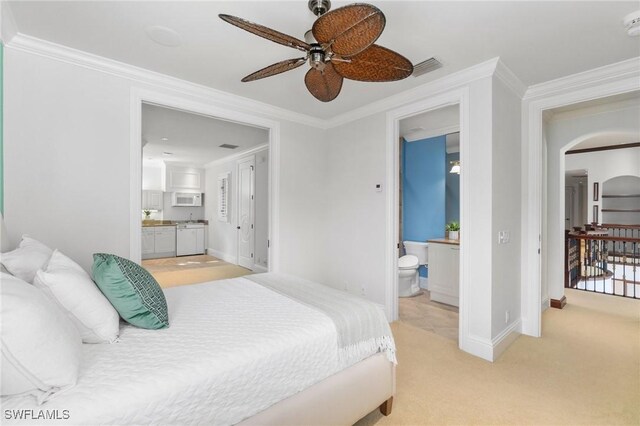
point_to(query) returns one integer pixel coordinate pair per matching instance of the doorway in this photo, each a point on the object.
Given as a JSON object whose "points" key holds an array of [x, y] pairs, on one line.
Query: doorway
{"points": [[459, 100], [270, 174], [429, 195]]}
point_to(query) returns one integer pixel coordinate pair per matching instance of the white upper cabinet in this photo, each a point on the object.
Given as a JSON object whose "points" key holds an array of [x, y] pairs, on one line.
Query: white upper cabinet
{"points": [[152, 200], [184, 179]]}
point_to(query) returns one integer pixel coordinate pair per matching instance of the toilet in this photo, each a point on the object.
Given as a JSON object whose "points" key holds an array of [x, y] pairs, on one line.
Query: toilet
{"points": [[408, 277]]}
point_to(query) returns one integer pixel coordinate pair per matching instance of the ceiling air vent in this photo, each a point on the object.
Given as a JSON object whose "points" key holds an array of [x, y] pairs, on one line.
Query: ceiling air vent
{"points": [[424, 67], [226, 145]]}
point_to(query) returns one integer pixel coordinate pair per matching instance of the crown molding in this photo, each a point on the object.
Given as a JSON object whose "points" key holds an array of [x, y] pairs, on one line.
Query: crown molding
{"points": [[28, 44], [446, 83], [237, 155], [593, 110], [8, 27], [507, 76], [585, 79]]}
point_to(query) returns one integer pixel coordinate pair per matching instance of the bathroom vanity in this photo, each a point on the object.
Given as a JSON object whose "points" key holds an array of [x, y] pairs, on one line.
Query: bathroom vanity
{"points": [[444, 270]]}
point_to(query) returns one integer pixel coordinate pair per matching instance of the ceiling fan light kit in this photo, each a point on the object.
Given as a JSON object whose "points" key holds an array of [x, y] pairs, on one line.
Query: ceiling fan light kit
{"points": [[339, 45]]}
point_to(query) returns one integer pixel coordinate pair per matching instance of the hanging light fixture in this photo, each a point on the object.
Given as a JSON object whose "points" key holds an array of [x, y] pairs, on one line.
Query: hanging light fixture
{"points": [[455, 168]]}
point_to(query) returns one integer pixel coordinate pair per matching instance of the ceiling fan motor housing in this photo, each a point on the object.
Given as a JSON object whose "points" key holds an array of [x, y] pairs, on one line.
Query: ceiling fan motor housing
{"points": [[316, 57]]}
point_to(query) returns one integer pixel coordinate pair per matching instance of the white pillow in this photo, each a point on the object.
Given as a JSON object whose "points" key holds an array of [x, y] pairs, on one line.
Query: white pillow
{"points": [[40, 345], [24, 261], [69, 286]]}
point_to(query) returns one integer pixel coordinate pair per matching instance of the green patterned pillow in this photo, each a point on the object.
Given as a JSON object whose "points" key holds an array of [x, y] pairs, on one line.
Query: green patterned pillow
{"points": [[132, 291]]}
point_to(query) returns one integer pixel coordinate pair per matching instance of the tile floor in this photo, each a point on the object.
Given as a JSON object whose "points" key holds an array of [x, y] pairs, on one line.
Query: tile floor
{"points": [[436, 317]]}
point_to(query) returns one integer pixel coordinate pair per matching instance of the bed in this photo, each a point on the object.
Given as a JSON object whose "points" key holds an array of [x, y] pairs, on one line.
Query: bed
{"points": [[265, 349]]}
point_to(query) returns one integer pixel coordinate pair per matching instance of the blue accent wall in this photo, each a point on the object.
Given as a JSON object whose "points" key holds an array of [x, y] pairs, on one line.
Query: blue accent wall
{"points": [[452, 203], [423, 190]]}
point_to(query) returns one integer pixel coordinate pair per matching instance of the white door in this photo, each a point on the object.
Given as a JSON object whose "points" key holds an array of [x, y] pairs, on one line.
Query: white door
{"points": [[246, 212]]}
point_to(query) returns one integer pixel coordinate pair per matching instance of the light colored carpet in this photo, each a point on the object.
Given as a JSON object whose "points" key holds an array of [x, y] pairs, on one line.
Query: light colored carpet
{"points": [[584, 370], [186, 270]]}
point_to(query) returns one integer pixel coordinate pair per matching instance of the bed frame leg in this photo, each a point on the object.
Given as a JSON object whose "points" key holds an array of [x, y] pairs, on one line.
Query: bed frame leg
{"points": [[386, 407]]}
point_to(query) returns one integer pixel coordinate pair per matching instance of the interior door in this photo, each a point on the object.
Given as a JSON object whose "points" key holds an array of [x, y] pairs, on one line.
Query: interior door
{"points": [[246, 212]]}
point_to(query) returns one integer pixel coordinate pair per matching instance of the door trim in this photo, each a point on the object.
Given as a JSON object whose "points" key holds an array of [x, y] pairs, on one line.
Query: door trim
{"points": [[253, 207]]}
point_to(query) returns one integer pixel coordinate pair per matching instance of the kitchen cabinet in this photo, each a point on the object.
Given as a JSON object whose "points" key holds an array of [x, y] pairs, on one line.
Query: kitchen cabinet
{"points": [[158, 241], [165, 239], [444, 271], [184, 179], [152, 200], [148, 241]]}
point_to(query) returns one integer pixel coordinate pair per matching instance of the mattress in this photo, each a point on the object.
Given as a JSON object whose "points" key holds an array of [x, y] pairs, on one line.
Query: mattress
{"points": [[234, 348]]}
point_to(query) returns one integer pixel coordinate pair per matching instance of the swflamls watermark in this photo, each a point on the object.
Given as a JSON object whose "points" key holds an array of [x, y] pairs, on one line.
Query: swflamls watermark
{"points": [[37, 415]]}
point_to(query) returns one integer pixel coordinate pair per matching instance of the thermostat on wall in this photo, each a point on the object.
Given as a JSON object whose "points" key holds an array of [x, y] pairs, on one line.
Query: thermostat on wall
{"points": [[378, 187]]}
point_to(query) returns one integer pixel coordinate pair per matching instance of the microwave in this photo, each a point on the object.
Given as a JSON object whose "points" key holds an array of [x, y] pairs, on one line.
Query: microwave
{"points": [[186, 199]]}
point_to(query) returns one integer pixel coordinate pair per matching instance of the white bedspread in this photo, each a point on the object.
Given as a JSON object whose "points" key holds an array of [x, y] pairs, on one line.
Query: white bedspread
{"points": [[228, 354]]}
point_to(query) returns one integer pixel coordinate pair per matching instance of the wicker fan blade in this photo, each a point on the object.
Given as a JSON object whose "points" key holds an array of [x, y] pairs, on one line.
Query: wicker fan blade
{"points": [[350, 29], [266, 32], [376, 63], [274, 69], [324, 85]]}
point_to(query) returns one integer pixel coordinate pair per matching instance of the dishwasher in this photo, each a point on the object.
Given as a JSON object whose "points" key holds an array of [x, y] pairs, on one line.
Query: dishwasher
{"points": [[189, 239]]}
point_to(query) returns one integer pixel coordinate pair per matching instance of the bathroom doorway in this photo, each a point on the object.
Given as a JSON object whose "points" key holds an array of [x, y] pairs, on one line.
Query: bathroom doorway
{"points": [[429, 220]]}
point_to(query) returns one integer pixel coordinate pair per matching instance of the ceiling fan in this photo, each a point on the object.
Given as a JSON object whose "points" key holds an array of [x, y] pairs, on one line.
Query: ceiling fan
{"points": [[339, 45]]}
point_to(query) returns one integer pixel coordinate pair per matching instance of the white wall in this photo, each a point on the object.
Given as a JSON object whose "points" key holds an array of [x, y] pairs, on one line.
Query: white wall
{"points": [[602, 166], [66, 156], [564, 131], [67, 163], [223, 236], [506, 196], [356, 239]]}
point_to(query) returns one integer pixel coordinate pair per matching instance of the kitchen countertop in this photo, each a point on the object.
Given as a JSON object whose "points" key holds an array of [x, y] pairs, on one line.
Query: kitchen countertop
{"points": [[444, 241], [151, 223]]}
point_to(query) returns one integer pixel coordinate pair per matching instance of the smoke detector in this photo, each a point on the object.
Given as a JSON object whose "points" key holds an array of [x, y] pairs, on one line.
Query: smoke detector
{"points": [[632, 23]]}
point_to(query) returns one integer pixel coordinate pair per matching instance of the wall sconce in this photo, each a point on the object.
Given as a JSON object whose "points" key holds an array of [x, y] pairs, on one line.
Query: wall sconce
{"points": [[455, 168]]}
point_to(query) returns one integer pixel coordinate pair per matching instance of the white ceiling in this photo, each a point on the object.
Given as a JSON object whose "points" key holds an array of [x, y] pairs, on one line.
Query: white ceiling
{"points": [[539, 41], [193, 139]]}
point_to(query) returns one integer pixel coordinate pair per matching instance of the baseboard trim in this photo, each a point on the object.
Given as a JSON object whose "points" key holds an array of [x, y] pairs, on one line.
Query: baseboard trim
{"points": [[477, 346], [545, 304], [559, 304], [503, 340], [259, 268], [223, 256]]}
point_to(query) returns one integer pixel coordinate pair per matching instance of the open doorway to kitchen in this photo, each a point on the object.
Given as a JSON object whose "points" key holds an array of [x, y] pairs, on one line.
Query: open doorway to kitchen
{"points": [[204, 196], [429, 220]]}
